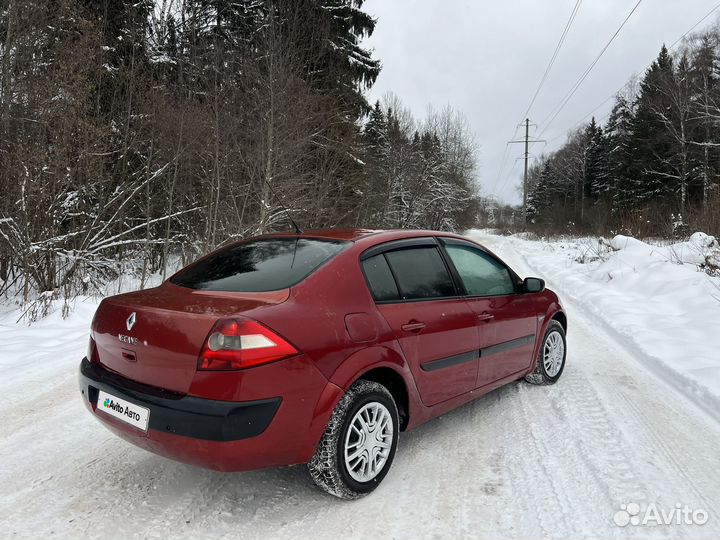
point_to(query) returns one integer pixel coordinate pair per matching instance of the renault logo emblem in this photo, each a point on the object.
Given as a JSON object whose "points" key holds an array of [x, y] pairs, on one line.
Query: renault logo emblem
{"points": [[130, 321]]}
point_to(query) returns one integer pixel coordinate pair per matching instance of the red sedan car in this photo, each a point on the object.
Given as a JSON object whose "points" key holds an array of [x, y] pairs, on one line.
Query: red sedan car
{"points": [[316, 348]]}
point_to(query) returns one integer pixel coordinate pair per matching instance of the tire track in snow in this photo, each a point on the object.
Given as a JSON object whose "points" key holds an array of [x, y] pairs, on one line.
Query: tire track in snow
{"points": [[675, 435], [536, 463], [677, 459], [26, 412], [600, 442]]}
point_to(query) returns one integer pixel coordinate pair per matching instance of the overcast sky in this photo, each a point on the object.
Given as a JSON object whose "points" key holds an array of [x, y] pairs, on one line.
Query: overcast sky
{"points": [[486, 58]]}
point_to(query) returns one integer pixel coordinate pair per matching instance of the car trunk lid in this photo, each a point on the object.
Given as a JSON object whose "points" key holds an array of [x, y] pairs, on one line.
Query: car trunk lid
{"points": [[155, 336]]}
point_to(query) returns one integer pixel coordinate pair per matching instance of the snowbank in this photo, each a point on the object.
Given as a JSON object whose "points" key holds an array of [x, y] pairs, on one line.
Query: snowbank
{"points": [[661, 300], [695, 251]]}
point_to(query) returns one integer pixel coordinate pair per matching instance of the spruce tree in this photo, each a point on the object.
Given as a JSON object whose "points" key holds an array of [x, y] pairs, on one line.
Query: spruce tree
{"points": [[544, 195], [596, 163], [649, 170], [375, 129], [619, 137], [328, 34]]}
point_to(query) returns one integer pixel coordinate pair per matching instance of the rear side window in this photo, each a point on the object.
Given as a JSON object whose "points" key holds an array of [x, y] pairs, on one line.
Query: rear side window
{"points": [[380, 279], [262, 265], [420, 273]]}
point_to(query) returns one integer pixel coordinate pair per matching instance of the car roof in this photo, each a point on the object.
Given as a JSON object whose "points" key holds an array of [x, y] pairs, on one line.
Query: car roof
{"points": [[334, 234], [365, 236]]}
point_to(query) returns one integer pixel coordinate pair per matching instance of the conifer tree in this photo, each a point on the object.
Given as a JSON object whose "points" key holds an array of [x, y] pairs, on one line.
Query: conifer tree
{"points": [[596, 166], [619, 136], [649, 169]]}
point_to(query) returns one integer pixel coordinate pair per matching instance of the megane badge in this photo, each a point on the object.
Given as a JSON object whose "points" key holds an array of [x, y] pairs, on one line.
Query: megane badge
{"points": [[130, 321]]}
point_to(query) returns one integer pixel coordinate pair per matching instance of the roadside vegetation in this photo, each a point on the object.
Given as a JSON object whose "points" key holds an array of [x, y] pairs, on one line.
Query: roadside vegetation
{"points": [[137, 134], [652, 166]]}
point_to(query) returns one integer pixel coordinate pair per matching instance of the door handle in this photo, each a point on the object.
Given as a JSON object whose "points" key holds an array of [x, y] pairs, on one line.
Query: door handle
{"points": [[413, 326], [486, 317]]}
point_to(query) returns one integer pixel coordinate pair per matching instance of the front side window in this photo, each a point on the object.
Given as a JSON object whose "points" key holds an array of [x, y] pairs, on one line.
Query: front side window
{"points": [[480, 273], [420, 273], [262, 265]]}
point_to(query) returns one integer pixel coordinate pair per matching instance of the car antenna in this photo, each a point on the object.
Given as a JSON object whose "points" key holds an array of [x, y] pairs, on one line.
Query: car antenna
{"points": [[285, 208]]}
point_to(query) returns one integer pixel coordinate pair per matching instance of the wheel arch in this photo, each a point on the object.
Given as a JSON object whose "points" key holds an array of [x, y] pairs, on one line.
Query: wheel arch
{"points": [[385, 366], [553, 313], [560, 317], [394, 382]]}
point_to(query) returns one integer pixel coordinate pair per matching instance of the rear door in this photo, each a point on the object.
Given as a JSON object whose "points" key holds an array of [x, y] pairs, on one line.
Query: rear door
{"points": [[506, 319], [436, 329]]}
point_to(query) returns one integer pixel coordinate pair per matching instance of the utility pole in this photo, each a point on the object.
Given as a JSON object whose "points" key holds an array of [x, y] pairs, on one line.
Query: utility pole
{"points": [[526, 141], [527, 137]]}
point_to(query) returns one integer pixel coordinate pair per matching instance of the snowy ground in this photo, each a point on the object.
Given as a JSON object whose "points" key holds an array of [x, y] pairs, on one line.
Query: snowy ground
{"points": [[522, 462], [655, 300]]}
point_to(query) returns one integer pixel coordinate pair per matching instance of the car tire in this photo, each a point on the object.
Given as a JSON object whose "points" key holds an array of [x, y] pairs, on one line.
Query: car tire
{"points": [[551, 356], [342, 473]]}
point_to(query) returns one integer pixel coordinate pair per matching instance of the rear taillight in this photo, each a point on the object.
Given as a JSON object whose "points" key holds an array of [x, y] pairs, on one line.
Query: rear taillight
{"points": [[92, 352], [242, 343]]}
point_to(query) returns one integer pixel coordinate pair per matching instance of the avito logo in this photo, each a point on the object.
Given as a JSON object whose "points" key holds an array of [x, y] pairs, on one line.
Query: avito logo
{"points": [[681, 514], [126, 411], [110, 404]]}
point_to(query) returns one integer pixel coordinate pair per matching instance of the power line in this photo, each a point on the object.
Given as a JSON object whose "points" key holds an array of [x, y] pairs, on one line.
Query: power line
{"points": [[500, 171], [554, 56], [503, 162], [564, 132], [526, 142], [576, 124], [703, 18], [559, 45], [678, 40], [563, 102], [510, 171]]}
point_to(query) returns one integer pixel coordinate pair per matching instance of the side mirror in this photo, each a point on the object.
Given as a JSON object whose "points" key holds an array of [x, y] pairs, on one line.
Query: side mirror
{"points": [[533, 285]]}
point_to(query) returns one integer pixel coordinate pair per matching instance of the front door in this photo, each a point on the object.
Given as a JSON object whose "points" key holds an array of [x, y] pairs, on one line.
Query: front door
{"points": [[506, 319], [507, 339]]}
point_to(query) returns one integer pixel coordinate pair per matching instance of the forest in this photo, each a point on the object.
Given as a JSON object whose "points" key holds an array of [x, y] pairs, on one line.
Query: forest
{"points": [[137, 134], [652, 168]]}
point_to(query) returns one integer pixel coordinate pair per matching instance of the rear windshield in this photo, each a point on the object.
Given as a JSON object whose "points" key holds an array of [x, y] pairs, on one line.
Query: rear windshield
{"points": [[262, 265]]}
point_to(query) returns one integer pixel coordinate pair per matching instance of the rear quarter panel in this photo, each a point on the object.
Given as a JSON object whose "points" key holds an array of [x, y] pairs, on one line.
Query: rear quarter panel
{"points": [[313, 319]]}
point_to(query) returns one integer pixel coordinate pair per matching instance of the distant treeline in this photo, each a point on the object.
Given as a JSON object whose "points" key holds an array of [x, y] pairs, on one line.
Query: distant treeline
{"points": [[653, 168], [133, 130]]}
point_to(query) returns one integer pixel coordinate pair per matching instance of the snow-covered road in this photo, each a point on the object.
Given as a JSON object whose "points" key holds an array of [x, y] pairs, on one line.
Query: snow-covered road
{"points": [[521, 462]]}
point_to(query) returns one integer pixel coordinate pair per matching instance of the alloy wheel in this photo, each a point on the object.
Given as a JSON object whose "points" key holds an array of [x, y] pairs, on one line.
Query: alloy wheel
{"points": [[553, 354]]}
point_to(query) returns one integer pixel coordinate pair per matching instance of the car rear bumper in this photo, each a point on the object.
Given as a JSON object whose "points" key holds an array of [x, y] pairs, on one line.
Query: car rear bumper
{"points": [[187, 416], [216, 434]]}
